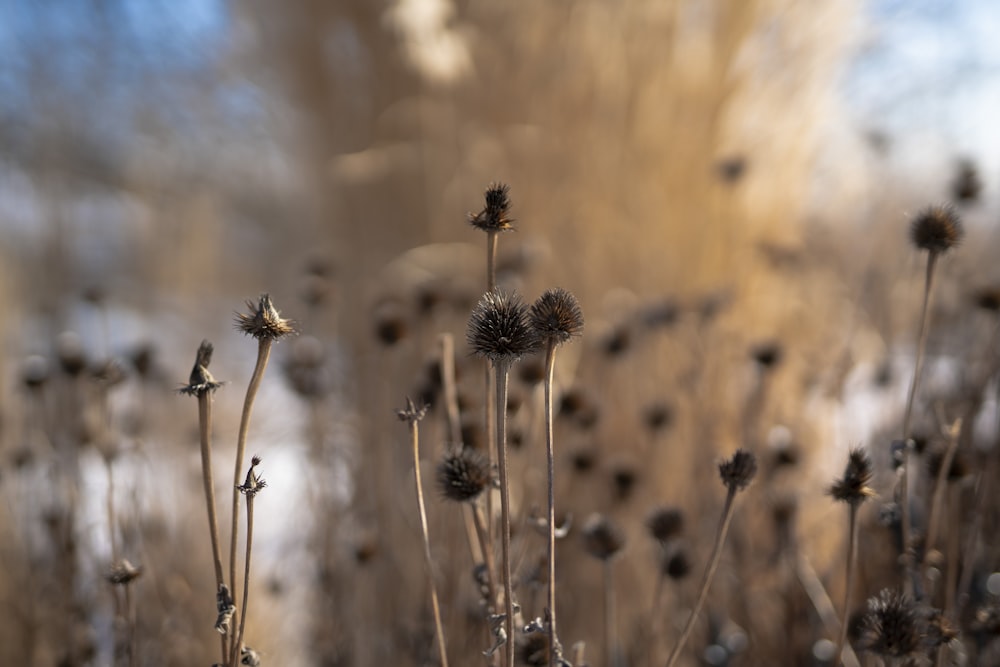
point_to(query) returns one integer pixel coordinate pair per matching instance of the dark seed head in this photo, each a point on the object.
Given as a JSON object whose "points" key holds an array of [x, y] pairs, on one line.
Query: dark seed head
{"points": [[987, 298], [495, 216], [967, 184], [201, 381], [665, 523], [675, 563], [601, 538], [390, 323], [556, 316], [263, 321], [937, 229], [499, 329], [853, 487], [463, 474], [767, 355], [891, 627], [738, 471], [35, 372]]}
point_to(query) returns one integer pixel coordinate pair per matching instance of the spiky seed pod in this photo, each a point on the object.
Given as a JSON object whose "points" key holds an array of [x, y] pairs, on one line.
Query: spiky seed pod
{"points": [[601, 538], [463, 474], [891, 627], [253, 483], [624, 478], [665, 523], [263, 320], [499, 328], [495, 216], [201, 381], [738, 471], [556, 316], [853, 487], [937, 229]]}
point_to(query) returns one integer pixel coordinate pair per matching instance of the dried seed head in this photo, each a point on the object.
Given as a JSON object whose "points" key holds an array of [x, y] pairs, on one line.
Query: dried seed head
{"points": [[495, 214], [123, 572], [35, 372], [411, 413], [738, 471], [937, 228], [665, 523], [201, 381], [253, 484], [675, 563], [463, 474], [767, 355], [556, 316], [987, 298], [891, 628], [499, 329], [967, 184], [225, 608], [853, 487], [263, 321], [601, 538]]}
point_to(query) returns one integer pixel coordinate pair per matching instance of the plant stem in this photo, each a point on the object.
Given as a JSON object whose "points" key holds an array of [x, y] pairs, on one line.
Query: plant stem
{"points": [[205, 437], [907, 416], [501, 370], [436, 608], [263, 354], [550, 359], [852, 557], [609, 615], [713, 563], [235, 656]]}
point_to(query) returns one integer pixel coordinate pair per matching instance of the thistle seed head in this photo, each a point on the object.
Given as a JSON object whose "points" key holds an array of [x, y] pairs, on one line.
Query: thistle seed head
{"points": [[602, 539], [891, 627], [495, 216], [853, 487], [499, 328], [556, 316], [201, 381], [937, 229], [738, 471], [463, 474], [263, 321]]}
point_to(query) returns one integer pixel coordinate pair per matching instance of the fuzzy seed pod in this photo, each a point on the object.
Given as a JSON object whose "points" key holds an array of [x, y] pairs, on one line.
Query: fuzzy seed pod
{"points": [[499, 328], [263, 320], [601, 538], [556, 316], [738, 471], [495, 216], [937, 229], [892, 627], [463, 474], [853, 487]]}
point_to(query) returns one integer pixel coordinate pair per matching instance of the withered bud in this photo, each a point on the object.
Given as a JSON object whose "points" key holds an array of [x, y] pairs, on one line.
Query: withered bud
{"points": [[738, 471], [411, 413], [263, 321], [853, 487], [225, 608], [253, 483], [495, 216], [937, 229], [201, 381]]}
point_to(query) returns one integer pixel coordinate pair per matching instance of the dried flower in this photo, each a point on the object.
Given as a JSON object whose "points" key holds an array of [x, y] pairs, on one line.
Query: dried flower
{"points": [[263, 321], [226, 608], [499, 329], [665, 523], [495, 214], [556, 316], [853, 487], [675, 562], [738, 471], [601, 538], [253, 483], [412, 413], [123, 572], [937, 228], [892, 627], [201, 381], [463, 474]]}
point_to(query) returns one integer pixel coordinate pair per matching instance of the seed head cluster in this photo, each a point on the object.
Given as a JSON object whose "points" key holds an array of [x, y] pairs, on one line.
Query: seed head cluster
{"points": [[499, 328], [263, 321], [463, 475], [937, 229], [556, 316], [853, 487], [738, 471], [495, 216]]}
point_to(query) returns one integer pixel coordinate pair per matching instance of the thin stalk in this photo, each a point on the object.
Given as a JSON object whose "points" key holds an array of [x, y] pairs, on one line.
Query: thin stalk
{"points": [[454, 431], [436, 608], [205, 438], [490, 413], [821, 602], [491, 578], [940, 489], [112, 520], [131, 615], [713, 563], [908, 414], [235, 655], [501, 370], [852, 557], [610, 623], [263, 354], [550, 362]]}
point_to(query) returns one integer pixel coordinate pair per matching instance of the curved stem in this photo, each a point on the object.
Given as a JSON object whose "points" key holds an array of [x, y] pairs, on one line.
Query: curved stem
{"points": [[263, 354], [713, 563], [501, 370], [435, 607]]}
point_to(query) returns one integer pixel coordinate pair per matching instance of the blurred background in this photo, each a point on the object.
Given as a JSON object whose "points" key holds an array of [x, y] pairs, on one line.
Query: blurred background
{"points": [[725, 185]]}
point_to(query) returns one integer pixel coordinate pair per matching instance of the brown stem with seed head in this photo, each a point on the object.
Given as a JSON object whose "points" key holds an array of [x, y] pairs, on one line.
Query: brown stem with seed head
{"points": [[205, 437], [852, 557], [235, 654], [502, 370], [550, 362]]}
